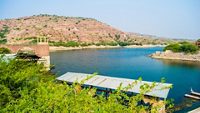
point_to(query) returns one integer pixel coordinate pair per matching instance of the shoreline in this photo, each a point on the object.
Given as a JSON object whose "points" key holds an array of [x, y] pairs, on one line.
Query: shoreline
{"points": [[169, 55], [61, 48]]}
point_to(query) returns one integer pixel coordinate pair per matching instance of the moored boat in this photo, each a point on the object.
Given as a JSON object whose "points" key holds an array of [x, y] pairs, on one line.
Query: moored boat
{"points": [[192, 96], [194, 93]]}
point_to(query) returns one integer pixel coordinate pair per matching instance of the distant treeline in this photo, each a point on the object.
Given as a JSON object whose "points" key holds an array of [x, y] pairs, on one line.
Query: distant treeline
{"points": [[77, 44]]}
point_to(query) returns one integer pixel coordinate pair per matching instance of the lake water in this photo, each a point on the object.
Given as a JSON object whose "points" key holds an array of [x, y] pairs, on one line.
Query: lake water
{"points": [[132, 63]]}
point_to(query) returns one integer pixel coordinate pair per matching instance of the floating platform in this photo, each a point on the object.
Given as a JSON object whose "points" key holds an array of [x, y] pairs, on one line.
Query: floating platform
{"points": [[195, 93], [160, 90], [192, 96]]}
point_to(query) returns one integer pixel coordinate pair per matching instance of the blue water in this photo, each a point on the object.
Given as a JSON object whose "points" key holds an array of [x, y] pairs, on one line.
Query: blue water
{"points": [[132, 63]]}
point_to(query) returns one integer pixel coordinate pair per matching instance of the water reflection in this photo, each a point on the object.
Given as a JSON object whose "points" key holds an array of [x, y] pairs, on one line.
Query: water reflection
{"points": [[189, 64]]}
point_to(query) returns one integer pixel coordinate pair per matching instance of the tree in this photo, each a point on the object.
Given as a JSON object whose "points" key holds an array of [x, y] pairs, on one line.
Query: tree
{"points": [[173, 47], [123, 43], [185, 47], [4, 50], [28, 87], [3, 33]]}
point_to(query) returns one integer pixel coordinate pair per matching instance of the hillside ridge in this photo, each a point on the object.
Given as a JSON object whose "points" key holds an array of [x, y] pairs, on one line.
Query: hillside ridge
{"points": [[65, 29]]}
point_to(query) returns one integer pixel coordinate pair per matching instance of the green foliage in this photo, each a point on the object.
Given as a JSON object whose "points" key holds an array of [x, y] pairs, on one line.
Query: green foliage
{"points": [[107, 44], [72, 44], [173, 47], [113, 43], [76, 44], [67, 44], [33, 41], [123, 43], [185, 47], [189, 48], [4, 50], [3, 33], [85, 44], [27, 87]]}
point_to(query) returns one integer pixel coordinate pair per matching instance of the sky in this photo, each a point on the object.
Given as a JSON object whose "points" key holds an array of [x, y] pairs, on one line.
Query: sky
{"points": [[178, 19]]}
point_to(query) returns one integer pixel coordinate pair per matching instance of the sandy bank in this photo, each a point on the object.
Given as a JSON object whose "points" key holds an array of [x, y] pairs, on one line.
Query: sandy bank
{"points": [[54, 48], [176, 56], [143, 46]]}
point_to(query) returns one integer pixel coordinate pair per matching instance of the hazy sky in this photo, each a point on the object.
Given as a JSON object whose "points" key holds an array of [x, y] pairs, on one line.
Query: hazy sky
{"points": [[168, 18]]}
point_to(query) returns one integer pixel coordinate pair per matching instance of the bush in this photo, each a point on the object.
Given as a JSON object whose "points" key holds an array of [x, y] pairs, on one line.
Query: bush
{"points": [[76, 44], [71, 44], [4, 50], [27, 87], [185, 47], [123, 43], [189, 48], [173, 47], [112, 44], [3, 33], [85, 44], [107, 44], [67, 44], [97, 44]]}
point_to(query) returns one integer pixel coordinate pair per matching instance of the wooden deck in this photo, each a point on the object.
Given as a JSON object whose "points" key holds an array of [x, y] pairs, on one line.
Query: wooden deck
{"points": [[161, 90]]}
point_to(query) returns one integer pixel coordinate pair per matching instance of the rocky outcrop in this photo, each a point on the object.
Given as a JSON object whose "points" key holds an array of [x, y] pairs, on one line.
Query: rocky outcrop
{"points": [[176, 56]]}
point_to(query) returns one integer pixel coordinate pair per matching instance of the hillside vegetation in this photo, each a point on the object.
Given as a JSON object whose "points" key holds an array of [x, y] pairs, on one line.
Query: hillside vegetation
{"points": [[3, 32], [27, 87], [4, 50], [60, 30]]}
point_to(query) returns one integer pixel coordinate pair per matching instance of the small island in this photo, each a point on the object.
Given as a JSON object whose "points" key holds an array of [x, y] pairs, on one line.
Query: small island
{"points": [[185, 51]]}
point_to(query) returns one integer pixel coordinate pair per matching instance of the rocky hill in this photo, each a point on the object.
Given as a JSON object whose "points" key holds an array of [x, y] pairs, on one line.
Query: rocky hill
{"points": [[65, 29]]}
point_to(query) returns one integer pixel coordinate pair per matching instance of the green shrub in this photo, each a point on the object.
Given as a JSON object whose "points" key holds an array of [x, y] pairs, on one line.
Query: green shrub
{"points": [[3, 41], [76, 44], [71, 44], [123, 43], [97, 44], [189, 48], [173, 47], [27, 87], [3, 33], [106, 44], [4, 50], [185, 47], [85, 44], [67, 44], [112, 44]]}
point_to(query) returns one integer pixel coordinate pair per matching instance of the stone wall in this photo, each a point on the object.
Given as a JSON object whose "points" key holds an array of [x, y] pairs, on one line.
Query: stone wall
{"points": [[41, 50]]}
